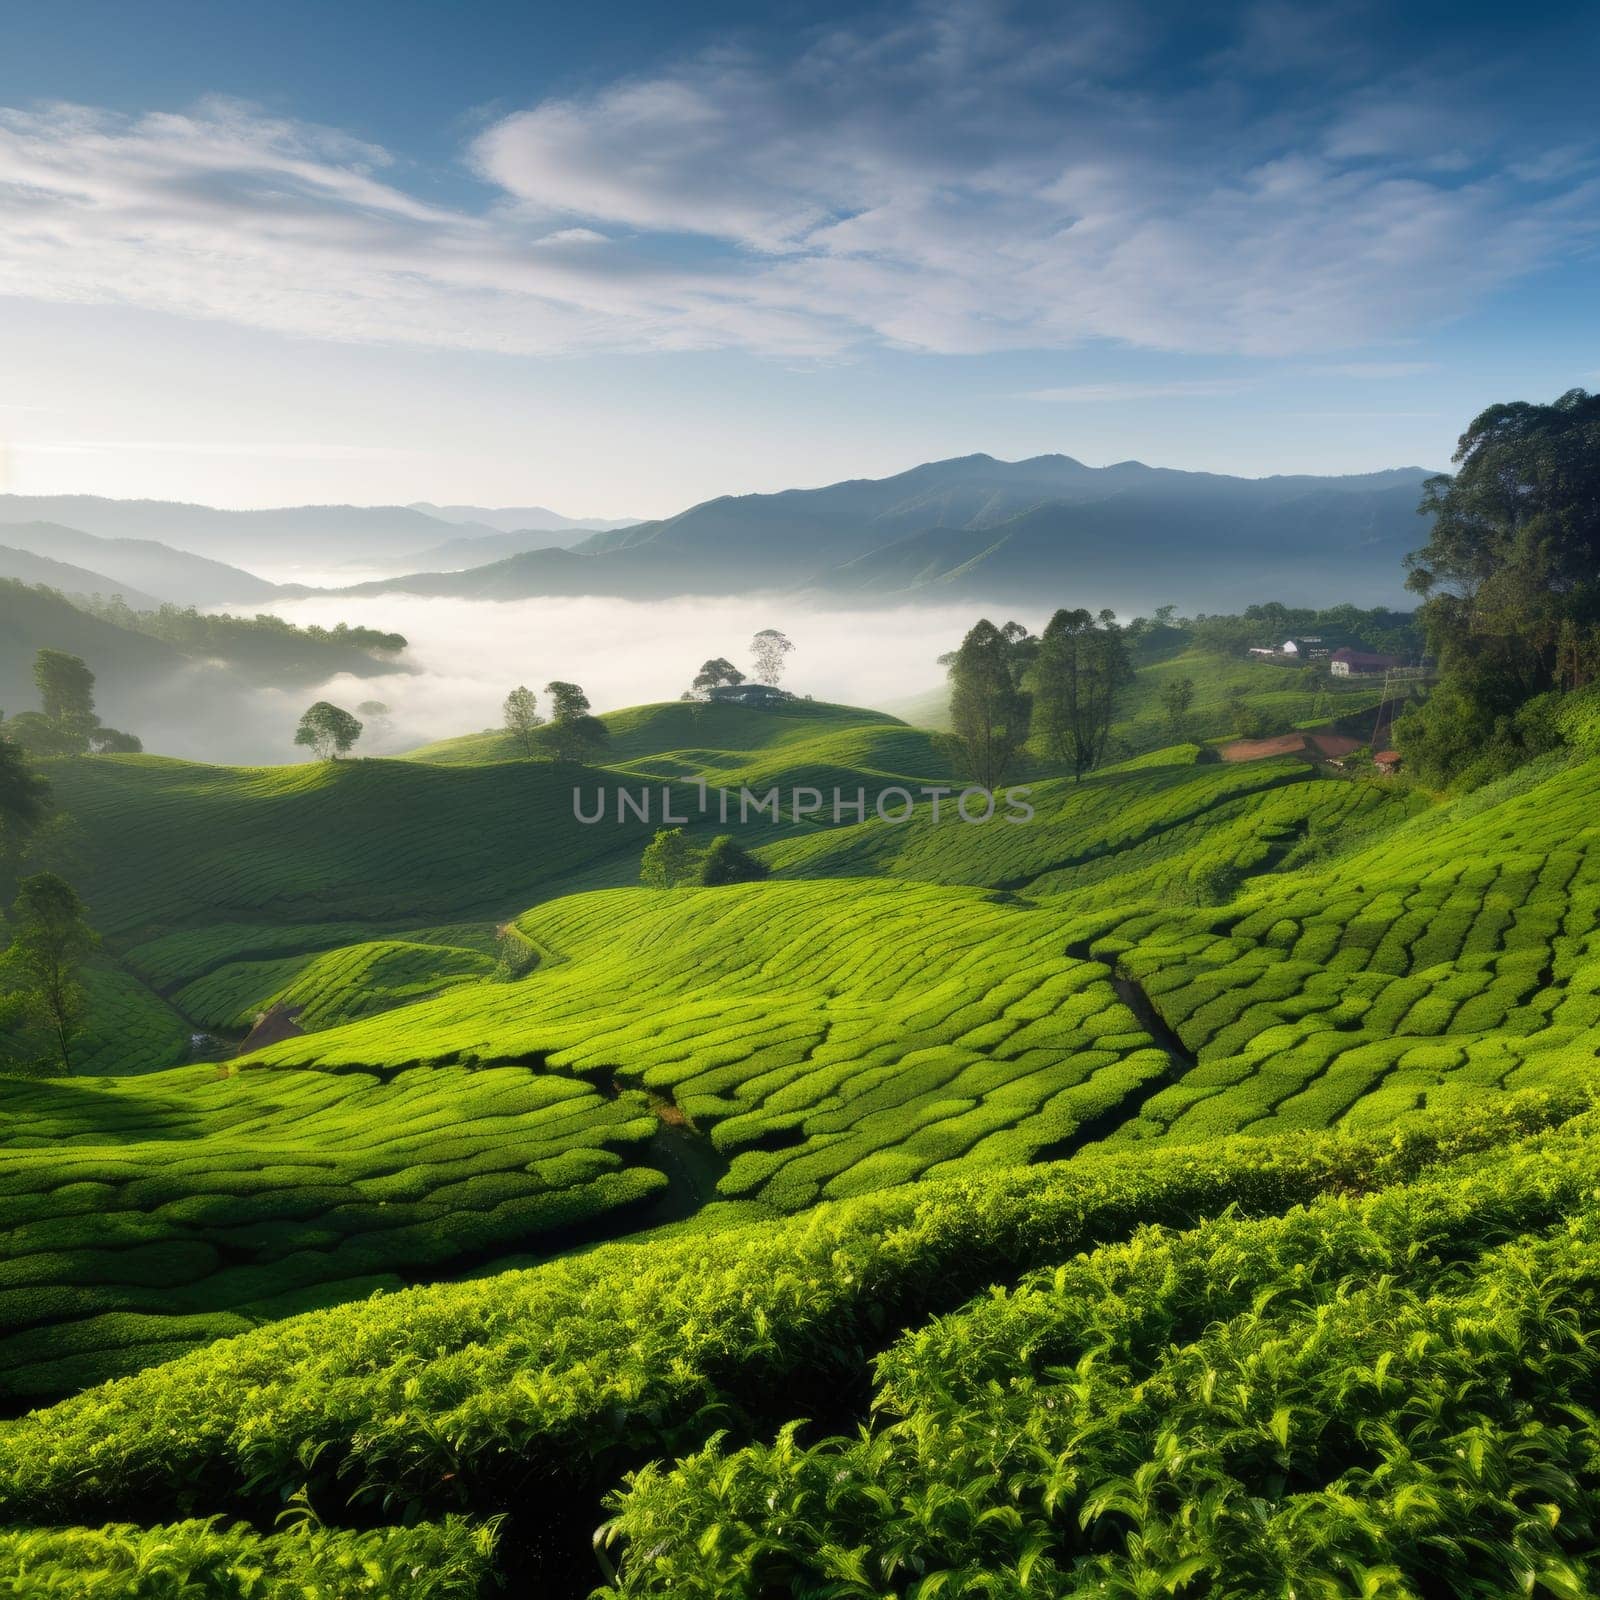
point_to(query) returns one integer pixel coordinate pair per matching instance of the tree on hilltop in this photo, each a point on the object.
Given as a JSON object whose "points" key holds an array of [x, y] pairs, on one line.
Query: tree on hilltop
{"points": [[521, 716], [572, 734], [716, 673], [666, 861], [767, 650], [988, 707], [1082, 665], [328, 731]]}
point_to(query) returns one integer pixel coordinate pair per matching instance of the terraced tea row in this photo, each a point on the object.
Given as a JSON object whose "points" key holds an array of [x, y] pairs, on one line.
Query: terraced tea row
{"points": [[1393, 1396], [1148, 827], [1458, 954], [533, 1392], [145, 1216], [353, 981], [831, 1037]]}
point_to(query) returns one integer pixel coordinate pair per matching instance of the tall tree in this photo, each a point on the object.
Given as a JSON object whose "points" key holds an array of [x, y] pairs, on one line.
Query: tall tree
{"points": [[1082, 664], [1510, 580], [988, 707], [50, 939], [1514, 550], [768, 650], [66, 695], [66, 687], [24, 795], [521, 712], [715, 674], [572, 734], [328, 731], [666, 861], [567, 700], [24, 802], [1177, 695]]}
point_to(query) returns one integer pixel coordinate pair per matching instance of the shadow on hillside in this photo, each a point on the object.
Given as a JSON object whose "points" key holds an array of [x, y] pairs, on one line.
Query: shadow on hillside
{"points": [[77, 1109]]}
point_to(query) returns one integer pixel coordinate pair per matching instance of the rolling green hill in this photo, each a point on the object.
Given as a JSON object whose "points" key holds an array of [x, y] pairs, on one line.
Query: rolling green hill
{"points": [[1184, 1134]]}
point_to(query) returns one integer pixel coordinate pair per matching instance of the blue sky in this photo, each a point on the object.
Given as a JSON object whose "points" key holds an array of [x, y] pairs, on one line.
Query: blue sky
{"points": [[616, 259]]}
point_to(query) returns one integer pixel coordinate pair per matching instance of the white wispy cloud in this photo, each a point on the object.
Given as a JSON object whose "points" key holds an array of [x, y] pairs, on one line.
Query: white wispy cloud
{"points": [[950, 179]]}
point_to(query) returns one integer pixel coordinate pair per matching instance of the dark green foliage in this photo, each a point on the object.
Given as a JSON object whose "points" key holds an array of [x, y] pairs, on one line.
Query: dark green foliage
{"points": [[724, 861], [1176, 698], [277, 651], [666, 860], [1511, 599], [1081, 667], [716, 673], [572, 733], [24, 800], [988, 706], [50, 937], [66, 688], [327, 730]]}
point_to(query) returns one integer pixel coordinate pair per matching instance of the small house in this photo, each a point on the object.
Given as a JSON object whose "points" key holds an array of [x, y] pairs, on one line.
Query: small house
{"points": [[760, 695], [1387, 762]]}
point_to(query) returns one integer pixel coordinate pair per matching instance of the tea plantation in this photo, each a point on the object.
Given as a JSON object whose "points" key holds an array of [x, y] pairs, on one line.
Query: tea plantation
{"points": [[1190, 1191]]}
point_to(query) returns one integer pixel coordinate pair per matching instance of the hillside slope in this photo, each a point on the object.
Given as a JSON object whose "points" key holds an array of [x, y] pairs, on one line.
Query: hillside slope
{"points": [[140, 566]]}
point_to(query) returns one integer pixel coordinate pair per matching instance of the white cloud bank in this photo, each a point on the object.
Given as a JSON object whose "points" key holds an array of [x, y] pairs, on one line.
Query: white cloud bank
{"points": [[469, 653], [951, 181]]}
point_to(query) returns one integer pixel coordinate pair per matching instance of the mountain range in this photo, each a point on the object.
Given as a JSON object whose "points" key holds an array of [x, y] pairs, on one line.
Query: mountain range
{"points": [[143, 571], [521, 519], [1128, 535]]}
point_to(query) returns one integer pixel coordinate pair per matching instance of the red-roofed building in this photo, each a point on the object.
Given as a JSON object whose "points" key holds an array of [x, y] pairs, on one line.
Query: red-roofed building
{"points": [[1358, 663], [1387, 761]]}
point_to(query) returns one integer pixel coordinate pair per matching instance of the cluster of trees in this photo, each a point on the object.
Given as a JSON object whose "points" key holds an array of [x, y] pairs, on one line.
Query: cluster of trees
{"points": [[769, 653], [1058, 689], [670, 860], [66, 723], [46, 940], [1510, 587], [573, 732], [264, 638]]}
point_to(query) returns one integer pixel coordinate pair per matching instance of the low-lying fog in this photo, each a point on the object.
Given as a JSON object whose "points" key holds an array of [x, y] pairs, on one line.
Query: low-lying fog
{"points": [[466, 655]]}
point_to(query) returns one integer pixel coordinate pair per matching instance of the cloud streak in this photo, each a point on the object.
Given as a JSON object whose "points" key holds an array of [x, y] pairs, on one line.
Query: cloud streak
{"points": [[956, 178]]}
